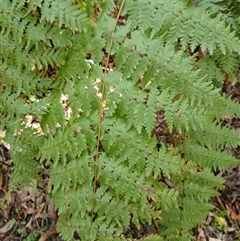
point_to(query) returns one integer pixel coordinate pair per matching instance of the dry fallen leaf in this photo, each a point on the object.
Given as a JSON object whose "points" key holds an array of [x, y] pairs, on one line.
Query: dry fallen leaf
{"points": [[48, 234], [214, 239], [51, 212], [29, 224], [1, 180], [33, 190], [8, 226]]}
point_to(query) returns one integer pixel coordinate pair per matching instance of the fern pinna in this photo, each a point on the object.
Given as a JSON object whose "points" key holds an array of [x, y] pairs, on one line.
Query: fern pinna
{"points": [[114, 170]]}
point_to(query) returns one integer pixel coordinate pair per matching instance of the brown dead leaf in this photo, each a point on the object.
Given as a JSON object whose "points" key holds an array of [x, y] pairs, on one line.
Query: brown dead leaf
{"points": [[39, 215], [51, 212], [233, 215], [8, 226], [226, 238], [214, 239], [33, 190], [48, 234], [30, 210], [29, 224], [5, 144], [25, 199], [40, 211], [201, 234], [1, 180]]}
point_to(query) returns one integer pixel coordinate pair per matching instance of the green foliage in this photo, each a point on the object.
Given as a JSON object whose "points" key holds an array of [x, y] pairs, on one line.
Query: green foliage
{"points": [[107, 168], [230, 11]]}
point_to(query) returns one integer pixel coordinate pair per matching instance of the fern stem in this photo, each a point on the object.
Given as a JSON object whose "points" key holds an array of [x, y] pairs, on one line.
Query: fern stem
{"points": [[101, 108], [181, 230]]}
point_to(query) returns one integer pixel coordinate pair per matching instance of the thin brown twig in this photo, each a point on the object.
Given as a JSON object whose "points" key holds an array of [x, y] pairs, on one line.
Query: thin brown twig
{"points": [[101, 106], [5, 164]]}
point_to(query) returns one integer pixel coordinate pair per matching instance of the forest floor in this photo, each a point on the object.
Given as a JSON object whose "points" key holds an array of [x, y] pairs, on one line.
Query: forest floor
{"points": [[28, 214]]}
